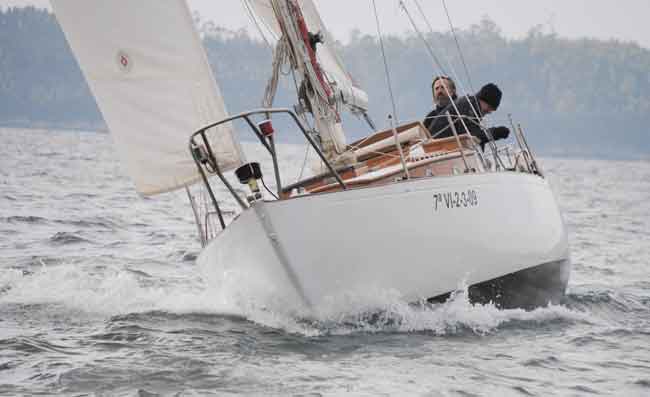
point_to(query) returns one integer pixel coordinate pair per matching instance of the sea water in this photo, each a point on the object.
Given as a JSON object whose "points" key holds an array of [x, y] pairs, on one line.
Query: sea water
{"points": [[100, 295]]}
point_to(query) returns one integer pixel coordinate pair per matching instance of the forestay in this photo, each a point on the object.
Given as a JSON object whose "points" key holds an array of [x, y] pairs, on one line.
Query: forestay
{"points": [[345, 89], [146, 67]]}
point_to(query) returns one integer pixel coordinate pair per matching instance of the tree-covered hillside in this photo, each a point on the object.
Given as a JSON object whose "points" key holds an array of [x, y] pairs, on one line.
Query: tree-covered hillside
{"points": [[40, 82], [577, 97]]}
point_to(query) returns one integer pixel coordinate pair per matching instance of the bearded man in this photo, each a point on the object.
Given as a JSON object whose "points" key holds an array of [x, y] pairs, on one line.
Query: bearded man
{"points": [[443, 89]]}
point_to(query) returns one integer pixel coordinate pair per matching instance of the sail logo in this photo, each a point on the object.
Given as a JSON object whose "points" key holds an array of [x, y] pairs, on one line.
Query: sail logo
{"points": [[124, 61]]}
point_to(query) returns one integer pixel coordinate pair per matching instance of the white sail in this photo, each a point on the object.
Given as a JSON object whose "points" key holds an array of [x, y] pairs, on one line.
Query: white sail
{"points": [[146, 67], [346, 90]]}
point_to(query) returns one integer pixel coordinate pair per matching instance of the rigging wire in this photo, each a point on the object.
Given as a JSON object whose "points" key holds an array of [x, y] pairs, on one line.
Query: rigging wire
{"points": [[302, 116], [281, 57], [304, 164], [251, 15], [474, 110], [383, 54], [431, 53], [453, 104], [454, 74], [453, 33], [426, 43]]}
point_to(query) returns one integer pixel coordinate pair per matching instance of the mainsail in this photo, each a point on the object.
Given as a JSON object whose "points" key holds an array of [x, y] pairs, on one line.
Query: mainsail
{"points": [[146, 67]]}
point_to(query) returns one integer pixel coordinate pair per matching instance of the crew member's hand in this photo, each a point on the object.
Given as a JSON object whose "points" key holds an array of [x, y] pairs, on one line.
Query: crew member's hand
{"points": [[500, 132]]}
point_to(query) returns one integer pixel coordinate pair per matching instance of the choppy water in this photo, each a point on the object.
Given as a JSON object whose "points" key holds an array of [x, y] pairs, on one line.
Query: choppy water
{"points": [[99, 295]]}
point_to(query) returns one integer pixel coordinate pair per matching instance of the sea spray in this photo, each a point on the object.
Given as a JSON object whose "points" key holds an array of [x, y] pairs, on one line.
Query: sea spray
{"points": [[118, 290]]}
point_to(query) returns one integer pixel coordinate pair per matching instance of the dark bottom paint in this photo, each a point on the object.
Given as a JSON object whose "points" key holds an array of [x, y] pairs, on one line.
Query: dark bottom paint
{"points": [[529, 288]]}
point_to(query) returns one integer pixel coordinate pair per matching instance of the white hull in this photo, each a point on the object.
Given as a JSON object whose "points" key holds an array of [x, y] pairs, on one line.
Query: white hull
{"points": [[405, 237]]}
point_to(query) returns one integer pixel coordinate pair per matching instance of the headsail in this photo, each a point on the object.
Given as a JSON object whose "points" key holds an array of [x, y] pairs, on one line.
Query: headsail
{"points": [[345, 89], [324, 84], [146, 67], [349, 93]]}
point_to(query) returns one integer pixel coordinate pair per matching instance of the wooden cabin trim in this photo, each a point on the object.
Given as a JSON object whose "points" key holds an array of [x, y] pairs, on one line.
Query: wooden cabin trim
{"points": [[440, 165], [375, 161], [381, 135]]}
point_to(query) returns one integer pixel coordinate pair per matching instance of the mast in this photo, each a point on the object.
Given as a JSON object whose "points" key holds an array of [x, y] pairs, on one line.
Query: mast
{"points": [[315, 90]]}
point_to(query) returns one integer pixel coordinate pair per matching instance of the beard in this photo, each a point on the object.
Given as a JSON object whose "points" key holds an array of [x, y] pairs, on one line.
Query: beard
{"points": [[443, 100]]}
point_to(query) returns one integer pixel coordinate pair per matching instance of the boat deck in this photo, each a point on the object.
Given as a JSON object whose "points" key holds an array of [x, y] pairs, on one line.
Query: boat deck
{"points": [[379, 161]]}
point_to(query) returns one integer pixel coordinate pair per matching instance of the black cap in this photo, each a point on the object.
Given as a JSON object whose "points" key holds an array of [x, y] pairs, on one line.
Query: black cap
{"points": [[490, 94]]}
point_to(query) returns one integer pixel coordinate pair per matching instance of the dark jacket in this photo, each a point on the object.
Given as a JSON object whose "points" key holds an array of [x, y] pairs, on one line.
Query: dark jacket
{"points": [[431, 117], [439, 127], [436, 112]]}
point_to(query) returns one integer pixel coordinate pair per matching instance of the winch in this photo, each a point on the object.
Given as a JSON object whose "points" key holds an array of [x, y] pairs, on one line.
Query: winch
{"points": [[248, 174]]}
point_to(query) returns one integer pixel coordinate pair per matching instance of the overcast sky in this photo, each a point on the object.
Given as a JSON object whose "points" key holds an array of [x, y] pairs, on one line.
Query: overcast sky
{"points": [[625, 20]]}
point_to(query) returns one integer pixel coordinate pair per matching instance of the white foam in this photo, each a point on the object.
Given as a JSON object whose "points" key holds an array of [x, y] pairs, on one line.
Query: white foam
{"points": [[117, 290], [108, 291], [391, 313]]}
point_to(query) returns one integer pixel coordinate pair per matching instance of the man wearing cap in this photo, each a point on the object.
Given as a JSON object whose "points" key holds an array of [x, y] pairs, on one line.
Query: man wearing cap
{"points": [[471, 108], [443, 89]]}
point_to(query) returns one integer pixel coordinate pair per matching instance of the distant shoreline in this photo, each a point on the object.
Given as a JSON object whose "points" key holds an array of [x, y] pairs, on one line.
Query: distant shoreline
{"points": [[86, 127], [584, 98], [554, 153]]}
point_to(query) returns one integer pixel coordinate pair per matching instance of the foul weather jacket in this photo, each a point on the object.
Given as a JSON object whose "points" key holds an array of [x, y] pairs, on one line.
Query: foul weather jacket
{"points": [[439, 126]]}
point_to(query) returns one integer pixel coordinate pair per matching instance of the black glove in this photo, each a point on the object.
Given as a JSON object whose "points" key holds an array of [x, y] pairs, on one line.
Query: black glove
{"points": [[499, 132]]}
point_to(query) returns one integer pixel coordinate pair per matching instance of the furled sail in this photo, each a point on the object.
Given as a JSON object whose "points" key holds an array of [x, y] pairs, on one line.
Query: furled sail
{"points": [[146, 67], [344, 88]]}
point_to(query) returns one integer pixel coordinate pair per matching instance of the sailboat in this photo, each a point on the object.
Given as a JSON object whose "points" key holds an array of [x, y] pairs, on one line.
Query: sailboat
{"points": [[398, 210]]}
